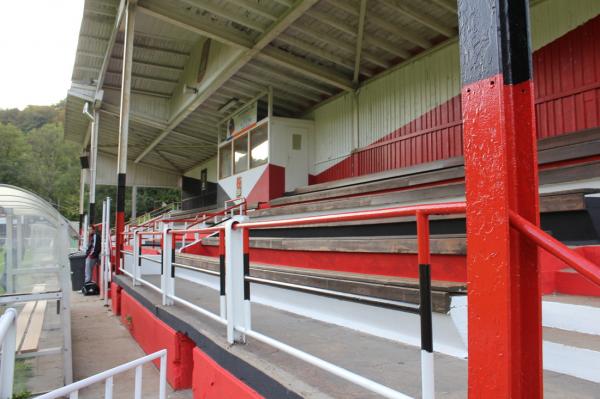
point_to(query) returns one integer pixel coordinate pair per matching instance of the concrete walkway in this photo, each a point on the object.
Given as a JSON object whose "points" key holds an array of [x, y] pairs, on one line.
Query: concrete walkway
{"points": [[101, 342]]}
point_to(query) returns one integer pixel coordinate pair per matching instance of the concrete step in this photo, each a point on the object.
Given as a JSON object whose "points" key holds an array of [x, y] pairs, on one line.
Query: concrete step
{"points": [[572, 313], [572, 353], [572, 335], [383, 287]]}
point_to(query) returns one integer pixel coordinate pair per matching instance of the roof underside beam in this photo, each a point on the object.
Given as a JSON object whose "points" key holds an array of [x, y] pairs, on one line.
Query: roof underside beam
{"points": [[242, 59], [111, 43], [359, 39], [421, 18]]}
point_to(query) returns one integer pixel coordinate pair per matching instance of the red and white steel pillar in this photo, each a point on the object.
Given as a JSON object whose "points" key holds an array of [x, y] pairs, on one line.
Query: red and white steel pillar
{"points": [[505, 342], [124, 129]]}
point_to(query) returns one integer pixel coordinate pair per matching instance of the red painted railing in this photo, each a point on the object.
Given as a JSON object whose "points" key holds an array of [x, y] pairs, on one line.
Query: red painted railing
{"points": [[588, 269], [205, 217]]}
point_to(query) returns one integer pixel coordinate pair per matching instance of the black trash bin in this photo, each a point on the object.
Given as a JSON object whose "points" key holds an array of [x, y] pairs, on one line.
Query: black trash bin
{"points": [[77, 261]]}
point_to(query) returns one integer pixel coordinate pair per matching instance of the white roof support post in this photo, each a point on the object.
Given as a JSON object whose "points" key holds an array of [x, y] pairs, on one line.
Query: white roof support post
{"points": [[111, 43], [126, 87], [124, 128], [359, 40]]}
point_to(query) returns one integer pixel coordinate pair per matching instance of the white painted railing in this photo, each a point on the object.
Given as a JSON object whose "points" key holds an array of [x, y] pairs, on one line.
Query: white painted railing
{"points": [[72, 390], [235, 304], [8, 342]]}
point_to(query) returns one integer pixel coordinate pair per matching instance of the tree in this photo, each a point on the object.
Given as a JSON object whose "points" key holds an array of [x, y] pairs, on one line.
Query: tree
{"points": [[33, 116], [35, 156], [14, 156], [54, 168]]}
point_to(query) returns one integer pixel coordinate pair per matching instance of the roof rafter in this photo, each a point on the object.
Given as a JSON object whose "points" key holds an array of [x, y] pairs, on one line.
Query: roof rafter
{"points": [[420, 17], [283, 86], [448, 5], [258, 84], [255, 8], [332, 41], [135, 61], [370, 39], [198, 24], [277, 27], [302, 66], [221, 12], [319, 52], [400, 32], [111, 42], [359, 39], [331, 21]]}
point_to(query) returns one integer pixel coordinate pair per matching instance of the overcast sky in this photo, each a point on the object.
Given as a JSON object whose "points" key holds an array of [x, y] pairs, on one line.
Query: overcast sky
{"points": [[38, 39]]}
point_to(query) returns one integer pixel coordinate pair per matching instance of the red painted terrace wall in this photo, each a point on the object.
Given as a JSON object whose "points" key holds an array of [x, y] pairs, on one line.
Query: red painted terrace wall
{"points": [[153, 335], [187, 365], [567, 92], [211, 381], [115, 298], [556, 275]]}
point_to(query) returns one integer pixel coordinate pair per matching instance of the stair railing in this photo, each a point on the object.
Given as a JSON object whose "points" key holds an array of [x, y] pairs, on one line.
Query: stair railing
{"points": [[72, 390], [8, 343], [585, 267]]}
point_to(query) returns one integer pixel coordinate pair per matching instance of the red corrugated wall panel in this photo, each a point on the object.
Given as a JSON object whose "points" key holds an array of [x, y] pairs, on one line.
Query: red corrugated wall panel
{"points": [[567, 82], [567, 85]]}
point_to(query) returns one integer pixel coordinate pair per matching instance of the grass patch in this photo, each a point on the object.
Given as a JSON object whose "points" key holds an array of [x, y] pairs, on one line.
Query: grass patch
{"points": [[22, 375]]}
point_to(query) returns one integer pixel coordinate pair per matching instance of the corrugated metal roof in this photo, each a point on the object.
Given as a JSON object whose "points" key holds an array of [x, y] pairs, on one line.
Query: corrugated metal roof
{"points": [[324, 37]]}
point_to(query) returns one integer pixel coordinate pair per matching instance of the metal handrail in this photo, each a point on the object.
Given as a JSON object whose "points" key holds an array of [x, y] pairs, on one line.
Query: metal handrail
{"points": [[430, 209], [196, 220], [107, 376], [586, 268], [8, 343], [420, 212]]}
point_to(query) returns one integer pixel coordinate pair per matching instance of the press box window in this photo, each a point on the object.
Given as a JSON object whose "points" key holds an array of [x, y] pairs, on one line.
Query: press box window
{"points": [[225, 161], [259, 146], [240, 154]]}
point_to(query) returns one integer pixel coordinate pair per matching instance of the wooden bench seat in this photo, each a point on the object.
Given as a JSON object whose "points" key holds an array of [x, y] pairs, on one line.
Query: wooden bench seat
{"points": [[560, 201], [453, 244], [383, 287], [30, 322], [553, 149]]}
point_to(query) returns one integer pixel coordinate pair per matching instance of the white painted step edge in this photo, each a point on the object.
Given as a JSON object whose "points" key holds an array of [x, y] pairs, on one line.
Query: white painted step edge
{"points": [[577, 362], [578, 318]]}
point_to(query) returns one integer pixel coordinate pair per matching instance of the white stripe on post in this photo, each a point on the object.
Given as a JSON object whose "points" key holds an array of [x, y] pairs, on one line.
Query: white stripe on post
{"points": [[138, 383], [234, 279], [427, 375], [162, 389], [108, 388]]}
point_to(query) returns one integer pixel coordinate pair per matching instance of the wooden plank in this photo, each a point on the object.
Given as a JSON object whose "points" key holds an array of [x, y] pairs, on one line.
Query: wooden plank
{"points": [[207, 262], [440, 245], [569, 139], [32, 338], [23, 322], [395, 197], [560, 148], [25, 315], [389, 174]]}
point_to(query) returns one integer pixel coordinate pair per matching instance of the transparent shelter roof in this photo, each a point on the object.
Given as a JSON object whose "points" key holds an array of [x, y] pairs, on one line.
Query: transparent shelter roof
{"points": [[35, 243]]}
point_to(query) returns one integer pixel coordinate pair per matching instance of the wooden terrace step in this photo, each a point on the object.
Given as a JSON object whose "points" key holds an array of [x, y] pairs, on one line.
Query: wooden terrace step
{"points": [[383, 287]]}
